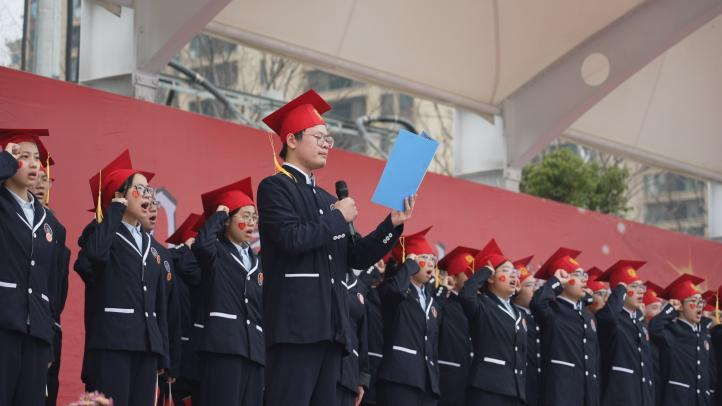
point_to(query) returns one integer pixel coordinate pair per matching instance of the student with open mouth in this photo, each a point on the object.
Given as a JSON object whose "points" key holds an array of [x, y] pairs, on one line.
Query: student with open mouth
{"points": [[29, 251], [498, 331], [569, 345], [685, 350], [126, 327], [231, 350]]}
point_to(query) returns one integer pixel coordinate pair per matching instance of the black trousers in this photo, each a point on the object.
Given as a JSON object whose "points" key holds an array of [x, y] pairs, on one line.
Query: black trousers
{"points": [[302, 374], [54, 371], [478, 397], [129, 377], [186, 389], [228, 379], [394, 394], [345, 397], [23, 369]]}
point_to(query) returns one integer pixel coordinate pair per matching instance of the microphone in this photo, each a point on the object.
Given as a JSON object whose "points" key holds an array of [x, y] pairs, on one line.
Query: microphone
{"points": [[342, 193]]}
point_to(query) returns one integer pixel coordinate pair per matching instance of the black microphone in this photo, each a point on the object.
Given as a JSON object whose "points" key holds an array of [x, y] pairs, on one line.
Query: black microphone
{"points": [[342, 193]]}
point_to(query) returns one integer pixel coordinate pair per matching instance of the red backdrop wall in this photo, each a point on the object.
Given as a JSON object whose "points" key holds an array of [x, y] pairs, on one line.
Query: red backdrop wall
{"points": [[192, 154]]}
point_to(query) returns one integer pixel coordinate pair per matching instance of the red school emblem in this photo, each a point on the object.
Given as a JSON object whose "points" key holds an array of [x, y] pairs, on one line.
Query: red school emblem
{"points": [[48, 232], [360, 298], [433, 312], [523, 323], [260, 279], [706, 345]]}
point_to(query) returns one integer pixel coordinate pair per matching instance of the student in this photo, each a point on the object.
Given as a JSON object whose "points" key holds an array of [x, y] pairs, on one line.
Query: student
{"points": [[454, 340], [126, 327], [29, 253], [355, 375], [190, 296], [599, 290], [627, 364], [686, 358], [522, 300], [307, 251], [231, 351], [569, 346], [161, 258], [498, 333], [409, 372]]}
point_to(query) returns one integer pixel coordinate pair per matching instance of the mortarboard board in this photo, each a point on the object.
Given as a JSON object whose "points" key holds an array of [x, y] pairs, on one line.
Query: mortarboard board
{"points": [[563, 258]]}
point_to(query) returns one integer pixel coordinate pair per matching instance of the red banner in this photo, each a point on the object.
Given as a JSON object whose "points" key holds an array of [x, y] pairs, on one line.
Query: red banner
{"points": [[192, 154]]}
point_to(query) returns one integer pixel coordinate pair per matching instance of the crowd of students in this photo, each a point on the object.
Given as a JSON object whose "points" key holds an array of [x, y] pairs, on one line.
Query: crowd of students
{"points": [[323, 316]]}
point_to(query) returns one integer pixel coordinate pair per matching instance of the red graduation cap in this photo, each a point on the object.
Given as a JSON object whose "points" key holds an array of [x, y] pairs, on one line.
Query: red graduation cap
{"points": [[652, 295], [710, 298], [564, 259], [491, 253], [594, 283], [521, 266], [412, 244], [18, 135], [188, 229], [623, 271], [234, 196], [297, 115], [460, 259], [682, 287], [105, 183]]}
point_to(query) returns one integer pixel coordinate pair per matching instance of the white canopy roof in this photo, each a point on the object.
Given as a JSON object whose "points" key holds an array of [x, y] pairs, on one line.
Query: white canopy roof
{"points": [[477, 53]]}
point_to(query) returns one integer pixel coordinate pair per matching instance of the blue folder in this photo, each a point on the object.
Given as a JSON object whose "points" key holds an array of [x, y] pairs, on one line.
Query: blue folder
{"points": [[405, 169]]}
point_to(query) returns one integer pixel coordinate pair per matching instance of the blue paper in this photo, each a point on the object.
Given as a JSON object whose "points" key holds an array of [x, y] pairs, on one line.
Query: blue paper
{"points": [[405, 169]]}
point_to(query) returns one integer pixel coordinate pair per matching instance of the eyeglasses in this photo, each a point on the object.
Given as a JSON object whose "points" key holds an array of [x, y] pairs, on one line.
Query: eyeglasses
{"points": [[601, 292], [700, 302], [323, 139], [513, 272], [430, 259], [248, 218], [144, 189], [638, 287], [583, 276]]}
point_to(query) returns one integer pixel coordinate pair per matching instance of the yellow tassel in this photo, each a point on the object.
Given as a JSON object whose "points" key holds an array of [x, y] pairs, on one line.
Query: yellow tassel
{"points": [[47, 172], [716, 308], [279, 168], [402, 242], [436, 278], [99, 207]]}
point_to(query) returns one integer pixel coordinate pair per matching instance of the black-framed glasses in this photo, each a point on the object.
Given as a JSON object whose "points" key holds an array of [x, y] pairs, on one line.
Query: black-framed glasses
{"points": [[144, 189]]}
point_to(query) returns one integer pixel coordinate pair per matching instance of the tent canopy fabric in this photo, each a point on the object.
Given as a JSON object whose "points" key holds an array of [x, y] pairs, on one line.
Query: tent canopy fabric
{"points": [[476, 53]]}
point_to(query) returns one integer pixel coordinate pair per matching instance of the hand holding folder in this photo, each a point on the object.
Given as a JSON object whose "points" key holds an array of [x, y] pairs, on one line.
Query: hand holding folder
{"points": [[405, 169]]}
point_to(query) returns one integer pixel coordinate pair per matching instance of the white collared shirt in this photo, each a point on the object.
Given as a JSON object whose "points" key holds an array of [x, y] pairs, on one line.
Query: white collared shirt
{"points": [[631, 313], [421, 293], [245, 257], [309, 178], [28, 207], [136, 234], [507, 304]]}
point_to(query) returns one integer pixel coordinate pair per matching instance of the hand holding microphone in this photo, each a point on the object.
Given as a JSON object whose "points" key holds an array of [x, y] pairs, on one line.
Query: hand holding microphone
{"points": [[347, 207]]}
